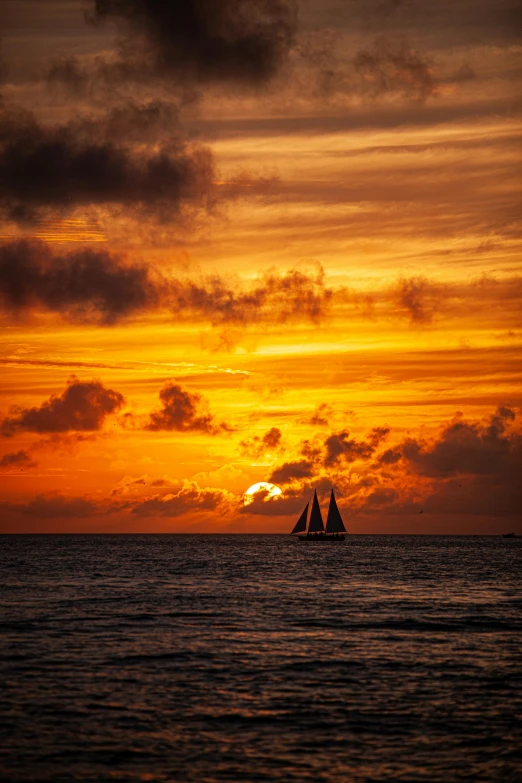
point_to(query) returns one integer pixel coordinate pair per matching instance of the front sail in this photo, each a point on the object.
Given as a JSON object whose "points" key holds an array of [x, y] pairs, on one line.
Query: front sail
{"points": [[334, 522], [300, 525], [316, 520]]}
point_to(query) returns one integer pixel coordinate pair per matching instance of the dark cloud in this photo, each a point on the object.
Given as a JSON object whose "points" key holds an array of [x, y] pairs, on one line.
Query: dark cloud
{"points": [[150, 121], [385, 68], [322, 457], [83, 406], [276, 298], [257, 446], [339, 447], [391, 67], [476, 448], [61, 168], [289, 471], [244, 41], [390, 457], [96, 285], [184, 411], [17, 459], [272, 438], [320, 417], [471, 468], [84, 284], [312, 449], [418, 299], [378, 435]]}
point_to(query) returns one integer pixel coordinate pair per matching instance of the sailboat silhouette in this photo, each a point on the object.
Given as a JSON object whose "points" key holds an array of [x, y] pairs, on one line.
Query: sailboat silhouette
{"points": [[335, 528]]}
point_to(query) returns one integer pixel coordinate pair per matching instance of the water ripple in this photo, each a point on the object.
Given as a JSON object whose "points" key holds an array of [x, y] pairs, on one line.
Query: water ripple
{"points": [[251, 658]]}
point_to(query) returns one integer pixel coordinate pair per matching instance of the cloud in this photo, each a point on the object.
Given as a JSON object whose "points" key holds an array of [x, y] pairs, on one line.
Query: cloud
{"points": [[150, 121], [54, 507], [339, 447], [16, 361], [288, 504], [320, 417], [202, 41], [473, 448], [130, 484], [289, 471], [99, 286], [257, 446], [388, 68], [81, 285], [16, 459], [418, 299], [83, 406], [61, 168], [377, 435], [471, 468], [228, 475], [184, 411], [323, 457], [390, 457], [190, 499], [63, 443], [394, 67], [275, 298]]}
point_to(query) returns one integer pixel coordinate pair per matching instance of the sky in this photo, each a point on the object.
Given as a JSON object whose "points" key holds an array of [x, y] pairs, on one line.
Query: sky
{"points": [[249, 241]]}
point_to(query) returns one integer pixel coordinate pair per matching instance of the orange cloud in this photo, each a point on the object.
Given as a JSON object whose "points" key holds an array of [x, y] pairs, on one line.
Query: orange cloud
{"points": [[257, 446], [189, 499], [16, 459]]}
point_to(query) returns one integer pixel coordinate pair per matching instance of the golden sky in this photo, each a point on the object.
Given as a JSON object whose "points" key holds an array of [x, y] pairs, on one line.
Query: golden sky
{"points": [[253, 242]]}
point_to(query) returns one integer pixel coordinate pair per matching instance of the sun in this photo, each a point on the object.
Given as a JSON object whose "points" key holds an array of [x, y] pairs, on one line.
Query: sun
{"points": [[271, 489]]}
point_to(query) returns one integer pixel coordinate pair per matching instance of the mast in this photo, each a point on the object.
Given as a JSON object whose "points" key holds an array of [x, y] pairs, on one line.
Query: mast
{"points": [[316, 520], [334, 521], [300, 525]]}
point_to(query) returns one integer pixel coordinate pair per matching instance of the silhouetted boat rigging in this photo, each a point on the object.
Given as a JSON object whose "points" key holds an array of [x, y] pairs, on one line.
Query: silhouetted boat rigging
{"points": [[335, 528]]}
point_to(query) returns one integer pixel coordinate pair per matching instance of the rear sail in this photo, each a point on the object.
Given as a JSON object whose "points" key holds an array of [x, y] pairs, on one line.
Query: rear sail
{"points": [[334, 522], [300, 525], [316, 519]]}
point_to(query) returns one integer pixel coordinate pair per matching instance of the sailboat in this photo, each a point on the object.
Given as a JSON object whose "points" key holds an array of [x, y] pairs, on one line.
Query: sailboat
{"points": [[335, 528]]}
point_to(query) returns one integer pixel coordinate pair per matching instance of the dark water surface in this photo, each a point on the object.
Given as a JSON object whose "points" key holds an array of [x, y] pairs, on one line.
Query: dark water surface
{"points": [[255, 658]]}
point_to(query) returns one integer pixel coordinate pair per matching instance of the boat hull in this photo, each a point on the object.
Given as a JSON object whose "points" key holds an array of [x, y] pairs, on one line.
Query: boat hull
{"points": [[312, 538]]}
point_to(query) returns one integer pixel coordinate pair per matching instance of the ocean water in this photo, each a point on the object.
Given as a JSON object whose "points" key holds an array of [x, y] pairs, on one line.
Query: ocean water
{"points": [[256, 658]]}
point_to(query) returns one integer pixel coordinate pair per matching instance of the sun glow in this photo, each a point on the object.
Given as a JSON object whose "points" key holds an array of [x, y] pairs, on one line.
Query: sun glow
{"points": [[262, 486]]}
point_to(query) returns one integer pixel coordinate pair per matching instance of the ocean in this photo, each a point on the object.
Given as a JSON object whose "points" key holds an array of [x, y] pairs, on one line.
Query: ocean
{"points": [[256, 658]]}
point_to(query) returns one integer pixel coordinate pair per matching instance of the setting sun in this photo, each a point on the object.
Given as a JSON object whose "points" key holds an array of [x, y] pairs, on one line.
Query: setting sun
{"points": [[262, 486]]}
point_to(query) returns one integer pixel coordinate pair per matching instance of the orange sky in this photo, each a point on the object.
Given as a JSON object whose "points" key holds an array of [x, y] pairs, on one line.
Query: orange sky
{"points": [[302, 266]]}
